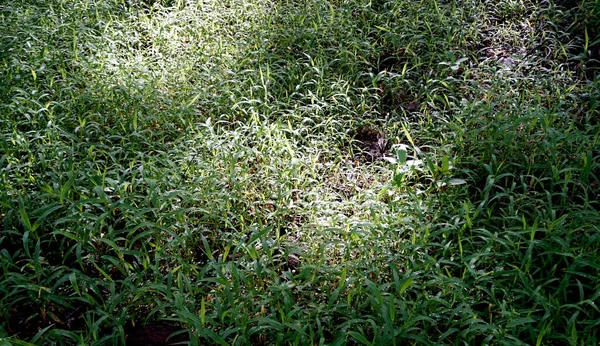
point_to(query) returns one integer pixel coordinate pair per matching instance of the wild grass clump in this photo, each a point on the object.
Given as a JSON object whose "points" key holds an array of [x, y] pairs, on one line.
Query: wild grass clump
{"points": [[326, 172]]}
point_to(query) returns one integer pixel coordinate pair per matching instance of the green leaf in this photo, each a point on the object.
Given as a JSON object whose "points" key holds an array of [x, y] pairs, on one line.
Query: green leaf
{"points": [[26, 243], [398, 178], [519, 321], [203, 310], [376, 292], [360, 338], [24, 217], [64, 190], [406, 284], [401, 156], [73, 280], [408, 136], [455, 181], [445, 165], [41, 218], [259, 234]]}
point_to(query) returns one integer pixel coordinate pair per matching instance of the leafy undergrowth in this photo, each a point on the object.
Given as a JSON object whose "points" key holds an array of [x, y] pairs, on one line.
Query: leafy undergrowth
{"points": [[311, 172]]}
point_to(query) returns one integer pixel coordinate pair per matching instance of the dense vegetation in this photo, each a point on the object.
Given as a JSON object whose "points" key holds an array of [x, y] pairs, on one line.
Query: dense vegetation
{"points": [[263, 172]]}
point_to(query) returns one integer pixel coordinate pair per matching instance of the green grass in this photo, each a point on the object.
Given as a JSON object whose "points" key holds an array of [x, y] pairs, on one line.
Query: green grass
{"points": [[198, 164]]}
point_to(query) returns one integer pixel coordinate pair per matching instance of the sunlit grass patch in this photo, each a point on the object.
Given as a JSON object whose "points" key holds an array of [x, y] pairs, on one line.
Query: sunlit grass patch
{"points": [[276, 172]]}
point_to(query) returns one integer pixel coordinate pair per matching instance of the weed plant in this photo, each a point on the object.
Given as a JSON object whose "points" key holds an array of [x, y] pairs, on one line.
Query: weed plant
{"points": [[198, 164]]}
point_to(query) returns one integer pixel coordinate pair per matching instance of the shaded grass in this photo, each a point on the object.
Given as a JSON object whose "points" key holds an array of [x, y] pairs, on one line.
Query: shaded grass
{"points": [[195, 163]]}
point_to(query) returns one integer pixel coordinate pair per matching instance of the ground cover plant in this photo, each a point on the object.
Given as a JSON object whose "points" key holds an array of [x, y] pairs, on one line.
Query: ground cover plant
{"points": [[265, 172]]}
